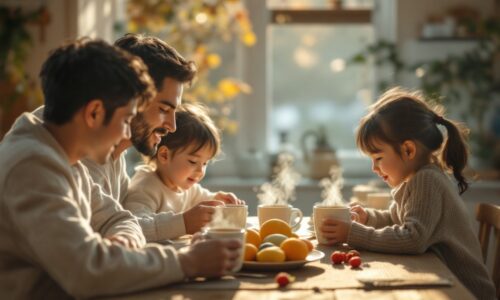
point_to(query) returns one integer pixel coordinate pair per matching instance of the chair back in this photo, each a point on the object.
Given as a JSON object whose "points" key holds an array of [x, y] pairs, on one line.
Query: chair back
{"points": [[488, 216]]}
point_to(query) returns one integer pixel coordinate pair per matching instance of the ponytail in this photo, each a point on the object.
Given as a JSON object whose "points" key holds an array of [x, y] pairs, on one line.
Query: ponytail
{"points": [[455, 153]]}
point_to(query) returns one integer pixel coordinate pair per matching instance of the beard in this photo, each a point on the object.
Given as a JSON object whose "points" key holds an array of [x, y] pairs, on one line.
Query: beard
{"points": [[141, 132]]}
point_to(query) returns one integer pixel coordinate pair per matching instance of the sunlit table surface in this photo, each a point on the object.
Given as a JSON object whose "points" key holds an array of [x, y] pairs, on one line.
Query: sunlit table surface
{"points": [[322, 280]]}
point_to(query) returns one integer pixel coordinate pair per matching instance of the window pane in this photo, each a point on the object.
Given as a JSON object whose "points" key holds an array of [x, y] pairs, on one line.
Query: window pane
{"points": [[312, 85]]}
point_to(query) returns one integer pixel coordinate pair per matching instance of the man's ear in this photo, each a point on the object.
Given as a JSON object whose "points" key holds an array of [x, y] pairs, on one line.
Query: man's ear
{"points": [[409, 150], [163, 154], [94, 113]]}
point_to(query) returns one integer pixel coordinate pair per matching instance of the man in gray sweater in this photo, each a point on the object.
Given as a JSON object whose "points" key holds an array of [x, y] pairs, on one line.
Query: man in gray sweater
{"points": [[60, 235], [170, 72]]}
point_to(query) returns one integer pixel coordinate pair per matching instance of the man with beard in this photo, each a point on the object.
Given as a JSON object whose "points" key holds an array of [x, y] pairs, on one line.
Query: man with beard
{"points": [[170, 71], [60, 236]]}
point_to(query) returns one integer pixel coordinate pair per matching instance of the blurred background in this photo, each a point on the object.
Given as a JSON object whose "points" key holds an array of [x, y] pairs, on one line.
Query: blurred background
{"points": [[289, 76]]}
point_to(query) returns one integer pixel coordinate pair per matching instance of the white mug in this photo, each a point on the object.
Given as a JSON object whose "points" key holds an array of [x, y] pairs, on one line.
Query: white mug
{"points": [[378, 200], [283, 212], [228, 233], [322, 212], [234, 215]]}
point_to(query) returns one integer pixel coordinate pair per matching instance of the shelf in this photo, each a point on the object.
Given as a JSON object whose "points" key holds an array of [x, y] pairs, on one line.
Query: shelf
{"points": [[289, 16], [451, 39]]}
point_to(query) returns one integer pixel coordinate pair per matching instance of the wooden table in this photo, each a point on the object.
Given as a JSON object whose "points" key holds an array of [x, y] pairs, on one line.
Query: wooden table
{"points": [[322, 280]]}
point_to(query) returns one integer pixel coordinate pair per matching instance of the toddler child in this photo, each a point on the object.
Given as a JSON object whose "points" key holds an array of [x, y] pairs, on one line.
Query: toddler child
{"points": [[165, 194], [400, 133]]}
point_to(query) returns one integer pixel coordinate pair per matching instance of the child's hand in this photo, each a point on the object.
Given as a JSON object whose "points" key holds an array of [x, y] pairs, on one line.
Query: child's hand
{"points": [[228, 198], [124, 241], [362, 215], [335, 231], [200, 215]]}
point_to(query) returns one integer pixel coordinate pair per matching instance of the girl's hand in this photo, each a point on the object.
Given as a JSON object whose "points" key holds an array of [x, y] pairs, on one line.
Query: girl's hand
{"points": [[362, 215], [335, 231], [228, 198]]}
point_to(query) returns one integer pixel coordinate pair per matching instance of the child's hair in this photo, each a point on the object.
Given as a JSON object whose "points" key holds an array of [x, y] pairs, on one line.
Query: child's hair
{"points": [[195, 130], [400, 115]]}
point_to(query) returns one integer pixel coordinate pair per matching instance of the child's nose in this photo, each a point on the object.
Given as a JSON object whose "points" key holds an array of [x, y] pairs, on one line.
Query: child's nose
{"points": [[201, 170]]}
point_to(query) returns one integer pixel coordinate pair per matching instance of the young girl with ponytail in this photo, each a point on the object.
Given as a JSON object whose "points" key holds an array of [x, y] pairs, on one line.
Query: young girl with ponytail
{"points": [[412, 147]]}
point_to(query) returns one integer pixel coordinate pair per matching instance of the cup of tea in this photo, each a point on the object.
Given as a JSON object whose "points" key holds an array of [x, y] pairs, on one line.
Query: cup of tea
{"points": [[293, 216], [217, 233], [234, 215], [378, 200], [322, 212]]}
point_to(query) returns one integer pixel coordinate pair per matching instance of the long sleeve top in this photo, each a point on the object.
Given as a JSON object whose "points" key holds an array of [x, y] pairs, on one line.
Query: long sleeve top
{"points": [[158, 208], [111, 176], [53, 220], [428, 214]]}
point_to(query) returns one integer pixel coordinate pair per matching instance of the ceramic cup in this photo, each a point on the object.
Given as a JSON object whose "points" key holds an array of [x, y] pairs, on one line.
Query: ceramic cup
{"points": [[287, 213], [378, 200], [360, 193], [227, 233], [322, 212], [234, 215]]}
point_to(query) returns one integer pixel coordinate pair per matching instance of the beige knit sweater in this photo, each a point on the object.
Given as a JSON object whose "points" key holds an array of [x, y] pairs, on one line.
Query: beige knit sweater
{"points": [[428, 214], [158, 208], [52, 222]]}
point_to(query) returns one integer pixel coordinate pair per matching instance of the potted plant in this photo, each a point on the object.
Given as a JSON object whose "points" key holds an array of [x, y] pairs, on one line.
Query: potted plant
{"points": [[468, 83], [17, 90]]}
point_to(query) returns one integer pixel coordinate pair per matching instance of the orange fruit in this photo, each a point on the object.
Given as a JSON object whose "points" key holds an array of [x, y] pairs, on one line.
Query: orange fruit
{"points": [[250, 252], [271, 254], [252, 236], [273, 226], [294, 235], [294, 249], [309, 244]]}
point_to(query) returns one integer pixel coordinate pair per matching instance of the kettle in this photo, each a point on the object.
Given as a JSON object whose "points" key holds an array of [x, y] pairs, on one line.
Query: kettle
{"points": [[322, 157]]}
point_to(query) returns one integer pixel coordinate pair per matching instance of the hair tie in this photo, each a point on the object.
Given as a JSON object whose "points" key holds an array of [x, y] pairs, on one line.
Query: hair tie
{"points": [[439, 119]]}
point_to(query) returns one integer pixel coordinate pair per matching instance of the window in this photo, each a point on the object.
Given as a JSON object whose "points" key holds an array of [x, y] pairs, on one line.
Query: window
{"points": [[301, 78]]}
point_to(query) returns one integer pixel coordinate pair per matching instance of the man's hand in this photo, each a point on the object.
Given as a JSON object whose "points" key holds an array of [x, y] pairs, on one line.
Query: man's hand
{"points": [[200, 215], [209, 258], [335, 231], [124, 241], [228, 198]]}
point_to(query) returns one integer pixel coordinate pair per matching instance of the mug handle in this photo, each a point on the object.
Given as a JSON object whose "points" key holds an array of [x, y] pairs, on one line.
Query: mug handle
{"points": [[296, 213]]}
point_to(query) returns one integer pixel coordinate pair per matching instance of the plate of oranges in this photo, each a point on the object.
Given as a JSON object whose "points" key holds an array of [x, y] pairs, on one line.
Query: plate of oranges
{"points": [[275, 247]]}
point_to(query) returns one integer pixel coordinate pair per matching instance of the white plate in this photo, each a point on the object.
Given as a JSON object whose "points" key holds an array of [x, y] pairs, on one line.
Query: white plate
{"points": [[287, 265]]}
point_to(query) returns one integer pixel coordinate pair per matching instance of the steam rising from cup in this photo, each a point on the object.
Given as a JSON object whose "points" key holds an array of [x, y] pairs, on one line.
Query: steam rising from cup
{"points": [[229, 216], [282, 188], [332, 188]]}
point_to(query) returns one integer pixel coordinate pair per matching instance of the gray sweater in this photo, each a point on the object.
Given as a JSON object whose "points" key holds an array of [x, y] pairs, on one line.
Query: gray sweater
{"points": [[53, 220], [428, 214]]}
